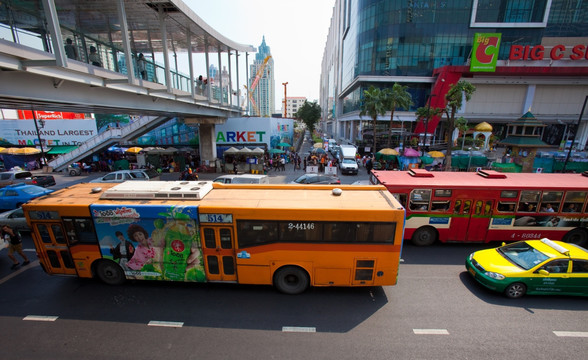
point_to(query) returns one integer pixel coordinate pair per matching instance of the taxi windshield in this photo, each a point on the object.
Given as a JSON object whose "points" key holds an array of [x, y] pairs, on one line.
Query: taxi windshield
{"points": [[522, 255]]}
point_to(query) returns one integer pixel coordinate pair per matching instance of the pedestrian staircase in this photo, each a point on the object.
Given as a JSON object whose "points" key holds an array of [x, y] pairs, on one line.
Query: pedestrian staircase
{"points": [[106, 139]]}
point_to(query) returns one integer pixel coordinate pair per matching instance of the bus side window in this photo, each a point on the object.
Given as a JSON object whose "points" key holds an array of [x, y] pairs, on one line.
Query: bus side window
{"points": [[457, 207], [440, 206], [506, 206], [488, 208], [466, 206], [401, 199], [479, 210]]}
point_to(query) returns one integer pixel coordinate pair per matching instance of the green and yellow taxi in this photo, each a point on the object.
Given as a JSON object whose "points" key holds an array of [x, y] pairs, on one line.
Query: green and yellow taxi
{"points": [[532, 267]]}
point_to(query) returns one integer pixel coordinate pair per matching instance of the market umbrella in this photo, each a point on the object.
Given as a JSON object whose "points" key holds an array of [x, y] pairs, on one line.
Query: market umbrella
{"points": [[436, 154], [134, 150], [257, 151], [411, 152], [318, 145], [116, 149], [284, 144], [276, 151], [1, 149], [231, 151], [21, 151], [388, 151], [152, 149]]}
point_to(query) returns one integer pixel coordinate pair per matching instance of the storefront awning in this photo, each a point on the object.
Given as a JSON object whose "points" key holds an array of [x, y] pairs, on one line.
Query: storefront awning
{"points": [[61, 149]]}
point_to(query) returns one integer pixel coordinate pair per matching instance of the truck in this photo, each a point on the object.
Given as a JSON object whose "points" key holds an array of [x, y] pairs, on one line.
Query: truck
{"points": [[347, 162]]}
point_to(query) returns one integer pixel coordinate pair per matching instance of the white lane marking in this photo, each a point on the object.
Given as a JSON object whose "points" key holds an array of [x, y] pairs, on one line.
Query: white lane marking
{"points": [[20, 269], [298, 329], [29, 250], [571, 333], [40, 318], [430, 331], [166, 323]]}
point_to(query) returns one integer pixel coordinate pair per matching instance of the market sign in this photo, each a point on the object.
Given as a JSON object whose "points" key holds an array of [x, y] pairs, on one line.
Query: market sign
{"points": [[485, 52]]}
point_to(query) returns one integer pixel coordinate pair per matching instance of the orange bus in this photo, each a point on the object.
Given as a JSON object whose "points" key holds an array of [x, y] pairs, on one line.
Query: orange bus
{"points": [[489, 206], [289, 236]]}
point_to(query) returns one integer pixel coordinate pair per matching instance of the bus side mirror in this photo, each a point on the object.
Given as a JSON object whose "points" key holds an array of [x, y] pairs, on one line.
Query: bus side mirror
{"points": [[543, 272]]}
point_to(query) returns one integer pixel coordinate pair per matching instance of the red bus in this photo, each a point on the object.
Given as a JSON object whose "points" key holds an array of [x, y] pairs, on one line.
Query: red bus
{"points": [[489, 205]]}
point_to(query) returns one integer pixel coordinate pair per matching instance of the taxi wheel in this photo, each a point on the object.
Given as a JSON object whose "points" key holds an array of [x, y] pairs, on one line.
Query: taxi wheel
{"points": [[110, 273], [424, 236], [515, 290]]}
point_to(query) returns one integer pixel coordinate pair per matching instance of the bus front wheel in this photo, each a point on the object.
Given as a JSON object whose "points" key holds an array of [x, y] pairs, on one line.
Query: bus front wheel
{"points": [[291, 280], [576, 236], [110, 273], [424, 236]]}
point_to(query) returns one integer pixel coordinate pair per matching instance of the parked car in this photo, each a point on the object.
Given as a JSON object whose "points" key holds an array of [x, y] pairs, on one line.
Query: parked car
{"points": [[243, 179], [13, 196], [123, 175], [74, 170], [316, 179], [532, 267], [25, 177], [15, 219]]}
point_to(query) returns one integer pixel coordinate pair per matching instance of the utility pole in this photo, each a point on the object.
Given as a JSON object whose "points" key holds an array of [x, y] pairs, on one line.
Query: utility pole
{"points": [[285, 98]]}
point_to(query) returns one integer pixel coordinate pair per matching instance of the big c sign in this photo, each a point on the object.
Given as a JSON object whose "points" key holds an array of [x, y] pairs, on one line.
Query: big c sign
{"points": [[485, 52], [557, 52]]}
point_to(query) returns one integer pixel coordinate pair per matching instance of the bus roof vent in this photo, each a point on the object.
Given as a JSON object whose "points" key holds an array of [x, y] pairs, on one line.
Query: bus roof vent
{"points": [[420, 173], [145, 190], [491, 174]]}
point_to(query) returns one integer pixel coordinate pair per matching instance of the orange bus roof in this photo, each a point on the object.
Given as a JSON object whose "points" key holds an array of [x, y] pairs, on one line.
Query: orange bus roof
{"points": [[492, 180]]}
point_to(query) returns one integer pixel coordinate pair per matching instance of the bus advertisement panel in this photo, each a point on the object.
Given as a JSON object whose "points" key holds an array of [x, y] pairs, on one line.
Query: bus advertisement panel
{"points": [[151, 242], [489, 206]]}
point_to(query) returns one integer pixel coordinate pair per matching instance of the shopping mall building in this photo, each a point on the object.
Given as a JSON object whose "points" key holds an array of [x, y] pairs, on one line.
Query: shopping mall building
{"points": [[521, 55]]}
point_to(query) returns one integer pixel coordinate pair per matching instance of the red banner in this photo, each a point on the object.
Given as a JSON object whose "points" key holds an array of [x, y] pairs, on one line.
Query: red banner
{"points": [[49, 115]]}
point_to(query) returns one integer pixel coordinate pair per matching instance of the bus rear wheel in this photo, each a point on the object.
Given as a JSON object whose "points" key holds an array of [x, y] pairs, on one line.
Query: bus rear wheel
{"points": [[291, 280], [424, 236], [576, 236], [110, 273]]}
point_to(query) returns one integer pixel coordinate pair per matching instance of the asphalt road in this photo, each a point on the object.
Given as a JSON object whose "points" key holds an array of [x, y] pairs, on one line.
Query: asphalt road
{"points": [[436, 311]]}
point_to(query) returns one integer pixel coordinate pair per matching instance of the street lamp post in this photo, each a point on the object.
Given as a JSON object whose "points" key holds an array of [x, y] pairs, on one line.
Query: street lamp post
{"points": [[575, 134]]}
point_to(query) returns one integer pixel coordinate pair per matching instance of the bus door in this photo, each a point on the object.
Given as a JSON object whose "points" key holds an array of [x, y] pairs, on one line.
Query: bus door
{"points": [[481, 215], [218, 249], [458, 229], [52, 246]]}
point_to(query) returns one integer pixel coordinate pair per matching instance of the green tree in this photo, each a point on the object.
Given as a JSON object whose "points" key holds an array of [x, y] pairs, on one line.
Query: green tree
{"points": [[454, 98], [427, 112], [397, 97], [373, 104], [309, 113], [461, 124]]}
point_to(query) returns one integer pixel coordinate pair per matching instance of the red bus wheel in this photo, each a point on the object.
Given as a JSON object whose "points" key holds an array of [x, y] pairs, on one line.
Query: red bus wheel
{"points": [[424, 236], [576, 236], [291, 280]]}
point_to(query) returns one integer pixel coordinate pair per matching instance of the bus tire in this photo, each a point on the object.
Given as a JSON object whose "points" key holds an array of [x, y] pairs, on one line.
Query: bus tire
{"points": [[515, 290], [576, 236], [110, 273], [291, 280], [424, 236]]}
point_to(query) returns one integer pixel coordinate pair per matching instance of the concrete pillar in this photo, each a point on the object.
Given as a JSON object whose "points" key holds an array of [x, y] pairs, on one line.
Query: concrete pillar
{"points": [[207, 144]]}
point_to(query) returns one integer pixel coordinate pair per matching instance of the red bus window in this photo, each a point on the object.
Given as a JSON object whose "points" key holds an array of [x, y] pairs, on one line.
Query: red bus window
{"points": [[506, 206], [457, 207]]}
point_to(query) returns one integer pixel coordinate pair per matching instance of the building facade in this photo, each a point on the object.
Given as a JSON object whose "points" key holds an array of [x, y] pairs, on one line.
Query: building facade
{"points": [[292, 105], [262, 83], [520, 56]]}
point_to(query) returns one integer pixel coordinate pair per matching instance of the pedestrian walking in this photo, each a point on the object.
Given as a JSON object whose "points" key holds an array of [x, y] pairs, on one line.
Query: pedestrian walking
{"points": [[283, 164], [141, 64], [94, 57], [14, 240]]}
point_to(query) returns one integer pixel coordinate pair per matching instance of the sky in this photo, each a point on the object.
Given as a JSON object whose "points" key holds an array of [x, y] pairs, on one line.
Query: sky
{"points": [[296, 32]]}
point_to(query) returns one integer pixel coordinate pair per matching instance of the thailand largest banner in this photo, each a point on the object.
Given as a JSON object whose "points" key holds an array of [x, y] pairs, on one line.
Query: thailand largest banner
{"points": [[51, 132]]}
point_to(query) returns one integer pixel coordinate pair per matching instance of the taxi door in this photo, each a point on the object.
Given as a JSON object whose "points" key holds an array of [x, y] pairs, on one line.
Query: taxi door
{"points": [[53, 249], [219, 253]]}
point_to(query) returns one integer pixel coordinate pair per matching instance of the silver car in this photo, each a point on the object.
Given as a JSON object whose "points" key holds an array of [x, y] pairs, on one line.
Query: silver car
{"points": [[122, 175], [15, 219]]}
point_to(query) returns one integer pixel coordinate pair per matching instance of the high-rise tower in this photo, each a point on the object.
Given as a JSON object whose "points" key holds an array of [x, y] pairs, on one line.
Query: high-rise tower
{"points": [[264, 92]]}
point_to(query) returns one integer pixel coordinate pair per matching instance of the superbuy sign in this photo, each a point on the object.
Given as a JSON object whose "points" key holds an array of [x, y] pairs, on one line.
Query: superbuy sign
{"points": [[557, 52]]}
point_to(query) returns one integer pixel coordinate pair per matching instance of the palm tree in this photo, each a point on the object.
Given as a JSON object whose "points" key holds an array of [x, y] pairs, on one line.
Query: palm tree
{"points": [[397, 97], [427, 112], [461, 123], [454, 98], [373, 104]]}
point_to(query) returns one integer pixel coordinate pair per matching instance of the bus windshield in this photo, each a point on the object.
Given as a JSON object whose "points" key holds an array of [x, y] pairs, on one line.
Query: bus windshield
{"points": [[522, 254]]}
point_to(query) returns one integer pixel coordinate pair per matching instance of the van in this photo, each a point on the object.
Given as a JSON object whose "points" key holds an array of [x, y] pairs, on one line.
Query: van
{"points": [[243, 179]]}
